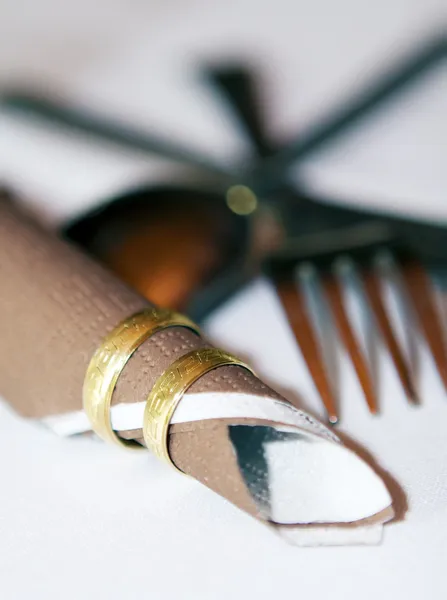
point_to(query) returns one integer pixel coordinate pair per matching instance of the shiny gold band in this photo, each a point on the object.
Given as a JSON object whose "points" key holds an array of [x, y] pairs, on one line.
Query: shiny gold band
{"points": [[110, 359], [169, 389]]}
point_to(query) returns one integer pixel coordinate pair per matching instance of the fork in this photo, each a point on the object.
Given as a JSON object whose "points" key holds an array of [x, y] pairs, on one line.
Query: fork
{"points": [[319, 233], [314, 230], [412, 265]]}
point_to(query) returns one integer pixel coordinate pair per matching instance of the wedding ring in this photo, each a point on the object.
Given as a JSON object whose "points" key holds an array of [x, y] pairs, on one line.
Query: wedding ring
{"points": [[169, 389], [110, 359]]}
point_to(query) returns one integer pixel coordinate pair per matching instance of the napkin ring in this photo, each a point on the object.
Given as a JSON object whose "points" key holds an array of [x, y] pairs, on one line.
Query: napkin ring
{"points": [[110, 359], [169, 389]]}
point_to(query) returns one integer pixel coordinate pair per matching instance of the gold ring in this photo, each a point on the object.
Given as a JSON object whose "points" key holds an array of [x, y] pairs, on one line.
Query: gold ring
{"points": [[169, 389], [110, 359]]}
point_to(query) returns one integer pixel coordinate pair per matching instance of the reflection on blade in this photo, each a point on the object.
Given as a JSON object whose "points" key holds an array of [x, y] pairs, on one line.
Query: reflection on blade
{"points": [[335, 298], [293, 302], [373, 292], [391, 271], [420, 291]]}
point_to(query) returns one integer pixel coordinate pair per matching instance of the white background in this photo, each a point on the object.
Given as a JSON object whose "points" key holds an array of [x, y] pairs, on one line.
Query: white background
{"points": [[81, 520]]}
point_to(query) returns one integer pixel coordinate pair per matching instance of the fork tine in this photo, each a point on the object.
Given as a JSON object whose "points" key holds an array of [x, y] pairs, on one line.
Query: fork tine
{"points": [[292, 300], [371, 283], [421, 293], [334, 295]]}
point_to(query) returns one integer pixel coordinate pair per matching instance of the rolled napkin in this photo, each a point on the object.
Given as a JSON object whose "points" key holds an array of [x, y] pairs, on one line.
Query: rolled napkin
{"points": [[66, 326]]}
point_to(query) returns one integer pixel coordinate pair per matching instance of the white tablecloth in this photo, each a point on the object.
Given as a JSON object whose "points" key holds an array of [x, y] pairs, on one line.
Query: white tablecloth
{"points": [[82, 520]]}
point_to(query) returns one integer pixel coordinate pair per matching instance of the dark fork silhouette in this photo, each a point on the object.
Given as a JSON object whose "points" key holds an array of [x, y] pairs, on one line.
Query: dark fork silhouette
{"points": [[318, 232], [415, 285], [314, 230]]}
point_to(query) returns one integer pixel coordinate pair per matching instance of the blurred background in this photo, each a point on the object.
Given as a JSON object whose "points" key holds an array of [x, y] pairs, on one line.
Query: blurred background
{"points": [[140, 62], [146, 65], [159, 74]]}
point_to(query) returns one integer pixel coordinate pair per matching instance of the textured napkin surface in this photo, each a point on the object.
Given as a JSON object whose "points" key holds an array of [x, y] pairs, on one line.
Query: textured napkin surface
{"points": [[311, 57], [70, 304], [66, 304]]}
